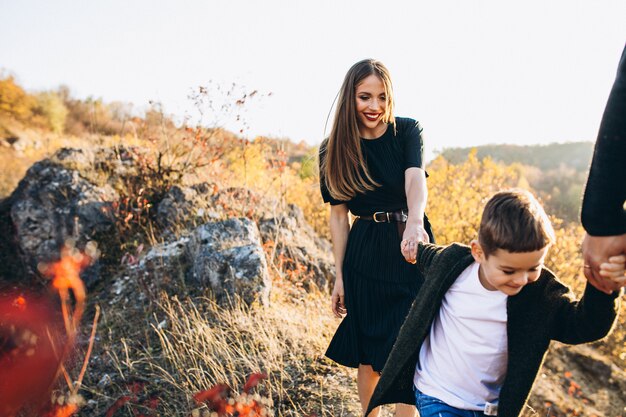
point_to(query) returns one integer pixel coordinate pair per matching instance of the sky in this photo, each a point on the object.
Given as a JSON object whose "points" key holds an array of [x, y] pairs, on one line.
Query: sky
{"points": [[472, 72]]}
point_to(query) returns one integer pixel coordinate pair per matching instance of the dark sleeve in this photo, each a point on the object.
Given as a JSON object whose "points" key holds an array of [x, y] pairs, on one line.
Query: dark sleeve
{"points": [[426, 252], [584, 320], [413, 145], [323, 188], [603, 211]]}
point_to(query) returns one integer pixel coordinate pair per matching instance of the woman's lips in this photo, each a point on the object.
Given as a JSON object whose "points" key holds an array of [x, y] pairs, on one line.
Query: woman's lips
{"points": [[371, 116]]}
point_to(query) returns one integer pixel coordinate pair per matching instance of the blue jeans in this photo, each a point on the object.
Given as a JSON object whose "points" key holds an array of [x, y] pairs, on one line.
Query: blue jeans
{"points": [[432, 407]]}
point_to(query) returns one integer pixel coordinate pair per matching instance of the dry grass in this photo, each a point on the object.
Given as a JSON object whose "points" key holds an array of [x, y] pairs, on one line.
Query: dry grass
{"points": [[201, 344]]}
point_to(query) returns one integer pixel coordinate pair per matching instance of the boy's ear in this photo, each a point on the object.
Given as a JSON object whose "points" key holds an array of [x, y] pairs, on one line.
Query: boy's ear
{"points": [[477, 251]]}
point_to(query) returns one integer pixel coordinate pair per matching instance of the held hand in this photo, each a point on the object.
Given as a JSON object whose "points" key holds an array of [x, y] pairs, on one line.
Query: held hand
{"points": [[615, 270], [596, 252], [412, 235], [338, 306]]}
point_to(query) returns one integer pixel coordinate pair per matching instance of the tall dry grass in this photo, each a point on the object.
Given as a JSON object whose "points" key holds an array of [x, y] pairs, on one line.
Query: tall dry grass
{"points": [[201, 343]]}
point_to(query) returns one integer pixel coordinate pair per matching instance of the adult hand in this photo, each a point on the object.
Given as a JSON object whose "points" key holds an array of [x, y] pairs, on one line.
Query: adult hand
{"points": [[596, 251], [338, 306], [412, 235]]}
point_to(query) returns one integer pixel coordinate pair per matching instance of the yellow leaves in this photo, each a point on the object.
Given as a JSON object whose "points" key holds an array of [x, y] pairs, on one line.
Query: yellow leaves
{"points": [[457, 194], [14, 100]]}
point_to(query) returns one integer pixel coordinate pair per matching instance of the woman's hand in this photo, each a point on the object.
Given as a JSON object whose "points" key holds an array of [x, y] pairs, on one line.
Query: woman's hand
{"points": [[339, 308], [413, 234]]}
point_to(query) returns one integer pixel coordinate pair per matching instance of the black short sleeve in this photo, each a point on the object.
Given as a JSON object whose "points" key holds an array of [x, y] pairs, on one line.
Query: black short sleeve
{"points": [[413, 145], [323, 188]]}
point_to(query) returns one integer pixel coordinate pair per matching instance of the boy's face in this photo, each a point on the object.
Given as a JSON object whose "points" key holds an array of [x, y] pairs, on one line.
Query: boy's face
{"points": [[506, 271]]}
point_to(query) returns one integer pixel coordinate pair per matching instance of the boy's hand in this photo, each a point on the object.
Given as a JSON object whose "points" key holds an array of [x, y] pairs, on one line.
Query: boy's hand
{"points": [[597, 250], [615, 270]]}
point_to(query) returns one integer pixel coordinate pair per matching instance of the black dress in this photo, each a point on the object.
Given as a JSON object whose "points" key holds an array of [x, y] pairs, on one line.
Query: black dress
{"points": [[379, 285]]}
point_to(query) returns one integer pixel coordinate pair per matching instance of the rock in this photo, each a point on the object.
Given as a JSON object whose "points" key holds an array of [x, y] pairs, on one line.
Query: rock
{"points": [[74, 159], [228, 257], [183, 207], [164, 268], [52, 204], [225, 257], [304, 257]]}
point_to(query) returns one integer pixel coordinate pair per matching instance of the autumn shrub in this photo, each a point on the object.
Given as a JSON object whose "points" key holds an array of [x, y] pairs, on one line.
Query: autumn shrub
{"points": [[51, 110], [457, 194], [14, 101]]}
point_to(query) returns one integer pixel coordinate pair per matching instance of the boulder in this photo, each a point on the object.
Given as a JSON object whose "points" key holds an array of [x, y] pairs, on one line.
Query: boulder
{"points": [[302, 255], [183, 207], [228, 257], [53, 204], [225, 257]]}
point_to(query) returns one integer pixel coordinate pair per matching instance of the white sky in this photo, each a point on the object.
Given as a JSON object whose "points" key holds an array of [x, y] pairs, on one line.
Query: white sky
{"points": [[471, 71]]}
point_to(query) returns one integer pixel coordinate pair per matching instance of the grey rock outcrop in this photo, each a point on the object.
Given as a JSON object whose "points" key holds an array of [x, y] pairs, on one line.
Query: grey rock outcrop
{"points": [[228, 257], [187, 207], [182, 207], [52, 204], [72, 195], [225, 257], [304, 255]]}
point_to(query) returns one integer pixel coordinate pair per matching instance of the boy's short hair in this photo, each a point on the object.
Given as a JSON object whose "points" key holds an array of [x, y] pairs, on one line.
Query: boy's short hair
{"points": [[514, 220]]}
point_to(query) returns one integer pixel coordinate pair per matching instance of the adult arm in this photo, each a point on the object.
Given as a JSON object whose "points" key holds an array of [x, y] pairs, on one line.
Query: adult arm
{"points": [[603, 213], [414, 187], [339, 230], [416, 196]]}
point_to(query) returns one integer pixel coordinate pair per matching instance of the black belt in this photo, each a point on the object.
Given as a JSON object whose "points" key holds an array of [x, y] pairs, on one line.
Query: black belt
{"points": [[399, 216]]}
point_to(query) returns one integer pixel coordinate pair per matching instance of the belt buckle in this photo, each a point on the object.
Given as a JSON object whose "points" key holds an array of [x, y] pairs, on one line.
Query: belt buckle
{"points": [[380, 221]]}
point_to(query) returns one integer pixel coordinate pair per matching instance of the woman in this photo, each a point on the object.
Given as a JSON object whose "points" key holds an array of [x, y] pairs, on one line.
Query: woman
{"points": [[371, 165]]}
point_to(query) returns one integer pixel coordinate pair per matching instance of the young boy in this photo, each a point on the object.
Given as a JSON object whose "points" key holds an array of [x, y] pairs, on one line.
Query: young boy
{"points": [[476, 335]]}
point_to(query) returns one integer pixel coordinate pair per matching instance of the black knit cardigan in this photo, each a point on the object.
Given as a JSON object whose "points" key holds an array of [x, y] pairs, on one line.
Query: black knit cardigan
{"points": [[544, 310]]}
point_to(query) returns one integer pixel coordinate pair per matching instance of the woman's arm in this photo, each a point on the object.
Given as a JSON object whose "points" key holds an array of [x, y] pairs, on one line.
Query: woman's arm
{"points": [[603, 212], [416, 197], [339, 230]]}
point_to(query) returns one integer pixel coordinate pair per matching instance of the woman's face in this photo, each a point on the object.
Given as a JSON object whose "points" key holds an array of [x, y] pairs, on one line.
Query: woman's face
{"points": [[371, 103]]}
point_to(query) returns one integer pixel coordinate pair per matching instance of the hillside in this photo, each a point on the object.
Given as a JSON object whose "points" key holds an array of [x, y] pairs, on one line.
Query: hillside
{"points": [[210, 263], [576, 155], [557, 172]]}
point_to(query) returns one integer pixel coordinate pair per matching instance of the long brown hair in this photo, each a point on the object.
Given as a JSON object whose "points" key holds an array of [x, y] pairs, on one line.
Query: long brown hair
{"points": [[343, 167]]}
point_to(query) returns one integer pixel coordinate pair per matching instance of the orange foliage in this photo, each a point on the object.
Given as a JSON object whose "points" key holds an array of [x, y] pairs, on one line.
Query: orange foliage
{"points": [[217, 400], [33, 346]]}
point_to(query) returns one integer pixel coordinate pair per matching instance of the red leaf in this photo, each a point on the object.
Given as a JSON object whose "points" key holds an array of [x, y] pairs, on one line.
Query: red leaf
{"points": [[212, 395], [253, 381], [117, 405], [153, 403]]}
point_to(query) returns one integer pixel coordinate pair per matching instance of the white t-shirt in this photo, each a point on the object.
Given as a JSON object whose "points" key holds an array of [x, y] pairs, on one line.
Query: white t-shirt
{"points": [[463, 360]]}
